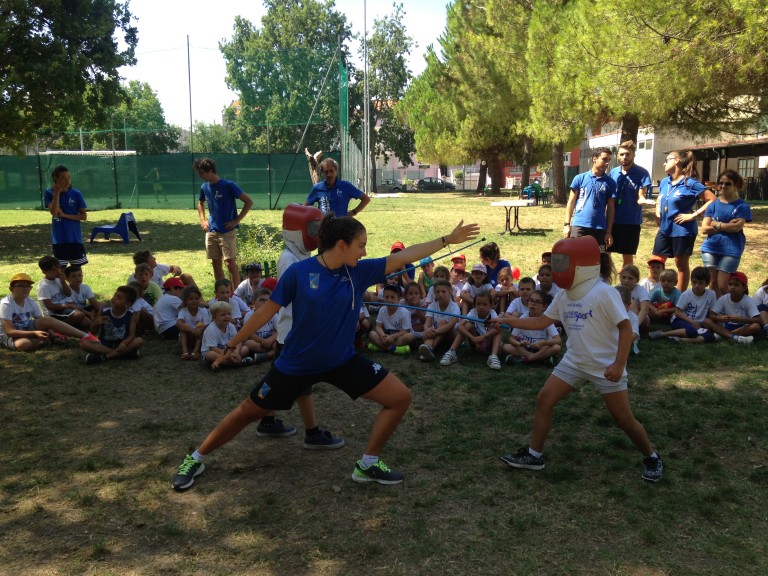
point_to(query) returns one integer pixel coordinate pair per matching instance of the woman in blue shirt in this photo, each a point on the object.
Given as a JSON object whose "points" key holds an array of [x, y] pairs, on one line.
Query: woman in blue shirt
{"points": [[676, 212], [723, 224], [326, 292]]}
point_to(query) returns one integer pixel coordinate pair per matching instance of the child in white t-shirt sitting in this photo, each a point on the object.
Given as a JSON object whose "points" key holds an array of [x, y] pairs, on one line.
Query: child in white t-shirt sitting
{"points": [[480, 282], [217, 335], [192, 321], [735, 315], [439, 327], [482, 339], [519, 306], [418, 317], [626, 298], [81, 294], [393, 325], [263, 342], [53, 293], [527, 345], [630, 277], [506, 291]]}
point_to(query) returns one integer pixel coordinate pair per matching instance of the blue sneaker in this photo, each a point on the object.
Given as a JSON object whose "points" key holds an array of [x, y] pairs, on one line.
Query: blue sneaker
{"points": [[323, 441], [185, 477], [524, 459], [277, 430], [378, 472], [653, 468]]}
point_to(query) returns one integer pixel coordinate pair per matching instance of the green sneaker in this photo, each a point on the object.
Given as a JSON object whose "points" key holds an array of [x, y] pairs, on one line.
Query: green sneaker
{"points": [[403, 349], [372, 347], [378, 472], [185, 477]]}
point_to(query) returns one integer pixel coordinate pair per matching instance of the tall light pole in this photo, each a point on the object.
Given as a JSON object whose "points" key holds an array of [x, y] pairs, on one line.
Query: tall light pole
{"points": [[366, 103]]}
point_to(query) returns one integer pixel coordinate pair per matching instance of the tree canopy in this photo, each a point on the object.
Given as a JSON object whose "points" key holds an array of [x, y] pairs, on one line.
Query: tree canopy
{"points": [[60, 63]]}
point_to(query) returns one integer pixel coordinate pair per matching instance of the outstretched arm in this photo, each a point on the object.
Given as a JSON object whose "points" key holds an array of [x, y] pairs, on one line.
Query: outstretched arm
{"points": [[461, 233]]}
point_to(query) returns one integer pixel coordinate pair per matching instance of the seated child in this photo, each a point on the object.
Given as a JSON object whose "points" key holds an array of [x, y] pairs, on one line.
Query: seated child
{"points": [[545, 281], [167, 309], [81, 294], [519, 306], [152, 291], [546, 258], [222, 292], [159, 270], [117, 330], [458, 278], [253, 281], [630, 277], [263, 342], [393, 326], [363, 326], [426, 276], [655, 268], [482, 339], [23, 327], [439, 328], [418, 317], [506, 291], [479, 283], [217, 335], [761, 300], [53, 293], [626, 298], [527, 345], [440, 273], [191, 321], [143, 309], [692, 309], [735, 314], [664, 297]]}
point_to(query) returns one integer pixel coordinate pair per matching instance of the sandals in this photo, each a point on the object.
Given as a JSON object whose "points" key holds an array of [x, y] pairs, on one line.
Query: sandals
{"points": [[187, 356]]}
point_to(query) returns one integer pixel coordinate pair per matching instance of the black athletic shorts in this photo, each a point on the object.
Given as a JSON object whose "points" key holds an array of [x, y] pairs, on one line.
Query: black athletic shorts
{"points": [[70, 254], [596, 233], [278, 391], [626, 238], [670, 246]]}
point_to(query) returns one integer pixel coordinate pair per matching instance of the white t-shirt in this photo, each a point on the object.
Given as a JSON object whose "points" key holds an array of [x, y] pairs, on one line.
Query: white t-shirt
{"points": [[591, 325], [203, 317], [157, 274], [517, 306], [433, 311], [473, 290], [479, 324], [640, 294], [142, 304], [213, 337], [400, 320], [22, 317], [649, 284], [244, 290], [696, 307], [166, 312], [82, 295], [457, 288], [51, 290], [552, 291], [761, 296], [237, 313], [267, 329], [635, 321], [745, 307], [533, 336]]}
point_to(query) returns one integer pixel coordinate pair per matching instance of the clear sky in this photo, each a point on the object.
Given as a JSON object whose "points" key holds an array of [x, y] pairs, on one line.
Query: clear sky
{"points": [[162, 50]]}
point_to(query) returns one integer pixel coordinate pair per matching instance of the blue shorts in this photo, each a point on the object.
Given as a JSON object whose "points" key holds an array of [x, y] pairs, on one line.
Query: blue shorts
{"points": [[671, 246], [278, 391], [691, 332], [728, 264], [70, 253]]}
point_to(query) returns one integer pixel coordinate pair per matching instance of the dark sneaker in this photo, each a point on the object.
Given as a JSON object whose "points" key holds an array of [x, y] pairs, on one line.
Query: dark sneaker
{"points": [[524, 459], [247, 361], [261, 357], [426, 354], [379, 472], [323, 441], [277, 430], [653, 468], [92, 358], [510, 360], [135, 355], [655, 335], [185, 477]]}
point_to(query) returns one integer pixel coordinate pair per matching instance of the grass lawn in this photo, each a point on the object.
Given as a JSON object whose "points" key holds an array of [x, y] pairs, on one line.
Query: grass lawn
{"points": [[88, 451]]}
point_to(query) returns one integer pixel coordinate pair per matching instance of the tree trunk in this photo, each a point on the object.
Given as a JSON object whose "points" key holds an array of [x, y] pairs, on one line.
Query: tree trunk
{"points": [[525, 178], [313, 162], [630, 125], [493, 166], [559, 191], [481, 178]]}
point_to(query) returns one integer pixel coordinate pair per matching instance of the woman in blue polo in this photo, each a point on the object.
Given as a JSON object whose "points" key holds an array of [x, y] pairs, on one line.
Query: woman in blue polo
{"points": [[676, 211], [723, 224]]}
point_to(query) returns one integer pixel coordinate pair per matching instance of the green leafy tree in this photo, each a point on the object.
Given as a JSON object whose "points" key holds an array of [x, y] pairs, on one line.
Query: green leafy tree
{"points": [[213, 139], [278, 71], [60, 64]]}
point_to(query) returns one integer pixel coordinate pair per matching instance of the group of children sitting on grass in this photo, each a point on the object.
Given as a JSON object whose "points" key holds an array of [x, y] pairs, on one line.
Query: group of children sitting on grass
{"points": [[435, 314]]}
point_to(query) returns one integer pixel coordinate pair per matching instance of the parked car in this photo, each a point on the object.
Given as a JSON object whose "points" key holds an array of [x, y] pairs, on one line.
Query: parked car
{"points": [[389, 185], [432, 183]]}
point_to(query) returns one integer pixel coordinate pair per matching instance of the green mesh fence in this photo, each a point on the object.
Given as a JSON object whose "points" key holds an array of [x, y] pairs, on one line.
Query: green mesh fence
{"points": [[160, 181]]}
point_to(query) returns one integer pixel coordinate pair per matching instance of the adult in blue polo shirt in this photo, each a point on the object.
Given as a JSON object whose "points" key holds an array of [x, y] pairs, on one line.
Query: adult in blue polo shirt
{"points": [[68, 209], [676, 211], [723, 224], [590, 207], [333, 195], [632, 182], [221, 224]]}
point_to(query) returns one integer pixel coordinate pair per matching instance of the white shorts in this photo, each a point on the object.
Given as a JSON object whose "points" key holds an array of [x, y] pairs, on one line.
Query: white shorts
{"points": [[576, 377]]}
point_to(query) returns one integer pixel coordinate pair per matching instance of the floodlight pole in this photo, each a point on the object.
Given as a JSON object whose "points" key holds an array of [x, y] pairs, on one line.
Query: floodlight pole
{"points": [[366, 103]]}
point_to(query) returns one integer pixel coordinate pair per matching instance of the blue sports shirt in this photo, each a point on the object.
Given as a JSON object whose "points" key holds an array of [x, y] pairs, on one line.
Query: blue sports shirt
{"points": [[593, 194], [222, 206], [64, 231], [627, 210], [677, 199], [338, 196]]}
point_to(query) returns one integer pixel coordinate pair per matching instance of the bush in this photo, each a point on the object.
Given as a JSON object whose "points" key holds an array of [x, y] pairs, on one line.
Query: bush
{"points": [[259, 243]]}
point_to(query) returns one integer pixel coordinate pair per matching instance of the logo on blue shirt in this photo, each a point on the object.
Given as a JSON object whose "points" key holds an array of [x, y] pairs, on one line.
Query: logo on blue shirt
{"points": [[314, 280]]}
